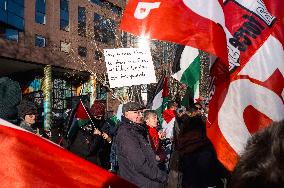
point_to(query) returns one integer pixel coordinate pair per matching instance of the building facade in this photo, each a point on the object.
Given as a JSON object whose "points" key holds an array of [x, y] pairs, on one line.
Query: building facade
{"points": [[67, 35]]}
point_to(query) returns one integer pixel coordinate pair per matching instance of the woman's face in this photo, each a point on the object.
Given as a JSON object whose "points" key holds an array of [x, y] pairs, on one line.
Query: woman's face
{"points": [[152, 120]]}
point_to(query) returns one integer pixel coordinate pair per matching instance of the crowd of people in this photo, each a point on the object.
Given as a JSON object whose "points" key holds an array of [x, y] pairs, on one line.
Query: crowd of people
{"points": [[147, 153]]}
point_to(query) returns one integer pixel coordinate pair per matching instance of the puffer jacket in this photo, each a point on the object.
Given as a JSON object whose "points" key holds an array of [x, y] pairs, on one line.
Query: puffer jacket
{"points": [[136, 159]]}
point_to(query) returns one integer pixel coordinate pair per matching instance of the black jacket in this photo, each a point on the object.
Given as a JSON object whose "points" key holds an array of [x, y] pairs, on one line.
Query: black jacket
{"points": [[192, 135], [136, 159]]}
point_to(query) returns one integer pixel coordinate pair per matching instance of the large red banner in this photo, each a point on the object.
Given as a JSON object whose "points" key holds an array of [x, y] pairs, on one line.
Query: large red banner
{"points": [[246, 93], [28, 160]]}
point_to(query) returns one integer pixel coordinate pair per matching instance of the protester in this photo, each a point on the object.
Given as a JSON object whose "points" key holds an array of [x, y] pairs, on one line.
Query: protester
{"points": [[113, 124], [168, 127], [28, 112], [197, 156], [10, 97], [155, 137], [169, 115], [107, 152], [136, 160], [101, 145], [175, 172], [262, 162]]}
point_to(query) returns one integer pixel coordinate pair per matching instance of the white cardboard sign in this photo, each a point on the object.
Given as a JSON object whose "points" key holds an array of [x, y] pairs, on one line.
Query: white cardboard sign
{"points": [[129, 66]]}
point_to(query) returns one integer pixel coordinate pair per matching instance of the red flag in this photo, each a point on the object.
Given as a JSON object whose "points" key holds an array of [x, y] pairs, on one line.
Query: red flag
{"points": [[247, 80], [28, 160], [174, 21]]}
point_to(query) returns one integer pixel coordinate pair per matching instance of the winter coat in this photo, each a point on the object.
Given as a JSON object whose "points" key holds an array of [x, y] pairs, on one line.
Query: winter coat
{"points": [[27, 127], [136, 160], [192, 135]]}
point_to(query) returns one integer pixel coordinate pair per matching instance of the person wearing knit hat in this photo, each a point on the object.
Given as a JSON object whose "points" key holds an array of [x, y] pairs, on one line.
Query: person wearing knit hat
{"points": [[10, 97], [28, 111]]}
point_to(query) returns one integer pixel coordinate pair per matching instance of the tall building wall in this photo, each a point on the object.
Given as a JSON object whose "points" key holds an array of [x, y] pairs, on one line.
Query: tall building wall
{"points": [[25, 49]]}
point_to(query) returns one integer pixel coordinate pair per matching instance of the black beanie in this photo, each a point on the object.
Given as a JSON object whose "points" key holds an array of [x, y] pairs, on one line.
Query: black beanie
{"points": [[27, 108]]}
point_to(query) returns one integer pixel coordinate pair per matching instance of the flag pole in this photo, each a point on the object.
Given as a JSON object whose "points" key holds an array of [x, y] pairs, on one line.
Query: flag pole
{"points": [[87, 113]]}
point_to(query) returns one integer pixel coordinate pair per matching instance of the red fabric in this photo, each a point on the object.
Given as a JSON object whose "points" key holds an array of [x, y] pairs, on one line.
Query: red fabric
{"points": [[98, 109], [174, 21], [155, 143], [165, 88], [28, 160], [154, 138], [168, 115], [81, 112]]}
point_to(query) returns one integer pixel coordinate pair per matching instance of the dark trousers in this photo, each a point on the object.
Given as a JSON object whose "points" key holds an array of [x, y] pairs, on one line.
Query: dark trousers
{"points": [[199, 169]]}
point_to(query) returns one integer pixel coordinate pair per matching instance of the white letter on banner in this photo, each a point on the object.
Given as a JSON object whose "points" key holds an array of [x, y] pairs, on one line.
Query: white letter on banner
{"points": [[143, 9], [260, 67], [241, 94]]}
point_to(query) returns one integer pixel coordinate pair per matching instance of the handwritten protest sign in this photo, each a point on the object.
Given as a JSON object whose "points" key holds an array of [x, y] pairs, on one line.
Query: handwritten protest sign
{"points": [[129, 66]]}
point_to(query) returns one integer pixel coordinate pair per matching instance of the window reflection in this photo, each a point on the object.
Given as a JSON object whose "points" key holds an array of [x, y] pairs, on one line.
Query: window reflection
{"points": [[64, 15], [12, 13], [82, 21], [108, 5], [104, 29], [40, 11], [40, 41]]}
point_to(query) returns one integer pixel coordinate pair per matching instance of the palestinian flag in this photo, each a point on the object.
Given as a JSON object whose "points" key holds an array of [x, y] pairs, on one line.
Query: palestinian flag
{"points": [[78, 118], [160, 99], [186, 69]]}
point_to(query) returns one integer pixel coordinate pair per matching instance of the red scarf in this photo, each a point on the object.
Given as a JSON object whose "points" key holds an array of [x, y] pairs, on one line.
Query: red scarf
{"points": [[154, 138]]}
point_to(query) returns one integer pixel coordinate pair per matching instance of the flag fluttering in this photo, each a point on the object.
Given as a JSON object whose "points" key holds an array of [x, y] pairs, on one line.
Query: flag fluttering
{"points": [[186, 69], [160, 97], [78, 118], [31, 161], [246, 90]]}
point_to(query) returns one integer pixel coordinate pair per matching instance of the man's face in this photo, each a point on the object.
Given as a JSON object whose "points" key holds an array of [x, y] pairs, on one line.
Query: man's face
{"points": [[152, 120], [30, 119], [198, 108], [135, 116]]}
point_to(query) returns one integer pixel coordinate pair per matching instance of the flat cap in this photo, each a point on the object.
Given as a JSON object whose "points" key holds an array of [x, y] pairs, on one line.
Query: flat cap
{"points": [[132, 106]]}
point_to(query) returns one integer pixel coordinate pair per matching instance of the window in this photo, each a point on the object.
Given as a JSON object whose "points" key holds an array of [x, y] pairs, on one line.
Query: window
{"points": [[108, 5], [40, 12], [101, 92], [98, 55], [98, 2], [82, 51], [82, 21], [12, 13], [9, 33], [104, 29], [62, 95], [65, 47], [12, 34], [40, 41], [64, 15]]}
